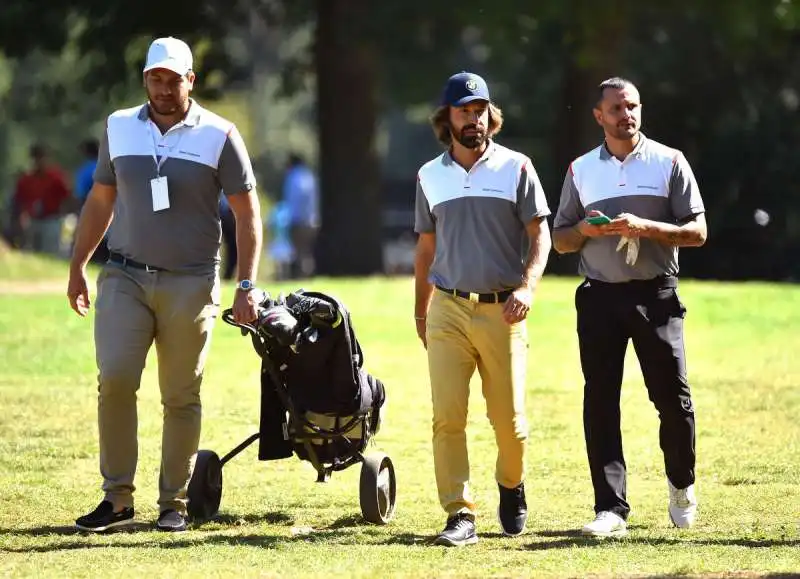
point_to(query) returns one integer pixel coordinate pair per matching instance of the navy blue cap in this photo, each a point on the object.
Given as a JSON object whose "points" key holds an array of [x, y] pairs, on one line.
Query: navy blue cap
{"points": [[463, 88]]}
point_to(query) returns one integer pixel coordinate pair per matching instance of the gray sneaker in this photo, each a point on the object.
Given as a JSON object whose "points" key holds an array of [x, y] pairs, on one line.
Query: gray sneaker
{"points": [[459, 531], [171, 521]]}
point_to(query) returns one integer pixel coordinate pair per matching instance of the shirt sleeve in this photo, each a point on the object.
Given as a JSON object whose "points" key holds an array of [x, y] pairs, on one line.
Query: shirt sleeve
{"points": [[104, 171], [235, 172], [684, 193], [531, 200], [570, 208], [424, 221]]}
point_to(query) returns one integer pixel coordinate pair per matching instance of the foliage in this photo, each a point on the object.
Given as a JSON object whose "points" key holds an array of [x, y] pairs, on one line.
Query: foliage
{"points": [[713, 77]]}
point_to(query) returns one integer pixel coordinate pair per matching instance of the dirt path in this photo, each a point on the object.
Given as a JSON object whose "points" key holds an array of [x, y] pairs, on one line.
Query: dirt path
{"points": [[22, 287]]}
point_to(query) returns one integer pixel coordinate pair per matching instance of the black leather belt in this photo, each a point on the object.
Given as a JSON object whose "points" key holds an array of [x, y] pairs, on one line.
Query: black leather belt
{"points": [[487, 298], [120, 259], [661, 281]]}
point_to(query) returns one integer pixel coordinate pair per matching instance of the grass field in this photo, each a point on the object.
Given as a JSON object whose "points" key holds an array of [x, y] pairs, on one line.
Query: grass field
{"points": [[744, 360]]}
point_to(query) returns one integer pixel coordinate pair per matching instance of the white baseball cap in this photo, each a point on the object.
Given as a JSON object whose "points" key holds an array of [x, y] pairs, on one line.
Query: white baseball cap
{"points": [[169, 53]]}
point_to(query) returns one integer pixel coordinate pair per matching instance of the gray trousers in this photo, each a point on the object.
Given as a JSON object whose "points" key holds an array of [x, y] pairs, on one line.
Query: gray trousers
{"points": [[134, 309]]}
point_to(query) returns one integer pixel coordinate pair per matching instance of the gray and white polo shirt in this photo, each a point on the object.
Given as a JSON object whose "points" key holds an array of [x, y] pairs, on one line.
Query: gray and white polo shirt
{"points": [[205, 156], [653, 182], [479, 217]]}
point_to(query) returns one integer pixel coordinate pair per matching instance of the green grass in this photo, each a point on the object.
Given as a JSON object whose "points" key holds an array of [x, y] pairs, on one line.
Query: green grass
{"points": [[742, 343]]}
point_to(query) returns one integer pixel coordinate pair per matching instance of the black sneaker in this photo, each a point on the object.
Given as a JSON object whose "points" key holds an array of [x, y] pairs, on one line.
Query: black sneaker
{"points": [[104, 518], [512, 512], [171, 520], [459, 531]]}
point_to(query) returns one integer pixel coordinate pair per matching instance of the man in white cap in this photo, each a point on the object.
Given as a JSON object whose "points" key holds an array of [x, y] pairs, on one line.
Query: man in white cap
{"points": [[161, 170]]}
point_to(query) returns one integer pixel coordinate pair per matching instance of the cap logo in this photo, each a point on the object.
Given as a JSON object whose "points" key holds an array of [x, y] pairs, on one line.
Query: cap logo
{"points": [[472, 85]]}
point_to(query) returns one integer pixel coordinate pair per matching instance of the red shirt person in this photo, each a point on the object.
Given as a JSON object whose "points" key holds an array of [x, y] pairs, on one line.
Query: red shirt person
{"points": [[39, 200], [41, 192]]}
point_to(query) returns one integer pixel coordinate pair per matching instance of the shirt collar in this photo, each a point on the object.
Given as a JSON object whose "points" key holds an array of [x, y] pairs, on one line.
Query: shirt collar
{"points": [[638, 150]]}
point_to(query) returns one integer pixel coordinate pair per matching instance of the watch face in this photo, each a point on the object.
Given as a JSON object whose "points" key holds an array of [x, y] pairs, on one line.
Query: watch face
{"points": [[245, 284]]}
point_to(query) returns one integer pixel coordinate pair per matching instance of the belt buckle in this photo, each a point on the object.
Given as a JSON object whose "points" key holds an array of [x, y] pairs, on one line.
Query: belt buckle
{"points": [[149, 269], [473, 297]]}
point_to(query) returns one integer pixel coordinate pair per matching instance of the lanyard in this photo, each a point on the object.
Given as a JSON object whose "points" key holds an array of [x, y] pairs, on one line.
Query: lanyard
{"points": [[155, 138]]}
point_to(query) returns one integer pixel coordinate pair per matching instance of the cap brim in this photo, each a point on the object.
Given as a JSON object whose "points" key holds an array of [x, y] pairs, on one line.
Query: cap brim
{"points": [[169, 64], [468, 99]]}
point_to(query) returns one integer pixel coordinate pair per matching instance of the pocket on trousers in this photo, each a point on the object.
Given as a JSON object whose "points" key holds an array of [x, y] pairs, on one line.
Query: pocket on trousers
{"points": [[665, 306]]}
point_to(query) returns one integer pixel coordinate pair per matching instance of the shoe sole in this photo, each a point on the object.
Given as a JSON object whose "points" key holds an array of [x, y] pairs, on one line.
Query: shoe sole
{"points": [[114, 525], [502, 528], [450, 543], [171, 529]]}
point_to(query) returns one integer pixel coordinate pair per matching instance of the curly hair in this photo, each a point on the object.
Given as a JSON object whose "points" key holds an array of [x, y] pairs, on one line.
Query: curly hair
{"points": [[440, 122]]}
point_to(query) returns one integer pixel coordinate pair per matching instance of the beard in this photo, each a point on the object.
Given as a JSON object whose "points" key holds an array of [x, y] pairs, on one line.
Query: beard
{"points": [[624, 131], [165, 106], [472, 141]]}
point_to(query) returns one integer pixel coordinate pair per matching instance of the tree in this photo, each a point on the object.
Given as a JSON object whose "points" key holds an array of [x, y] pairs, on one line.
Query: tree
{"points": [[347, 111]]}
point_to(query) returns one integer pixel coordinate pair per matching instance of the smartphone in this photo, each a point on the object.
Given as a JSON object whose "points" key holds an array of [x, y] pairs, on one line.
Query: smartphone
{"points": [[598, 220]]}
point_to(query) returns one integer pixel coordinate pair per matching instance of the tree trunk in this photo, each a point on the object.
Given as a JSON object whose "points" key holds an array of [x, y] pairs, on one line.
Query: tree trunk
{"points": [[347, 112], [595, 54]]}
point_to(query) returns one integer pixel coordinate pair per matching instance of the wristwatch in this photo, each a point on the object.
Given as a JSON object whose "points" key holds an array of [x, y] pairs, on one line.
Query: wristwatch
{"points": [[245, 285]]}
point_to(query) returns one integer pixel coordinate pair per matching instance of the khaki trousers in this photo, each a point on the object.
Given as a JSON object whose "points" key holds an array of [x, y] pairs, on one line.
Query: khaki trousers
{"points": [[134, 309], [463, 335]]}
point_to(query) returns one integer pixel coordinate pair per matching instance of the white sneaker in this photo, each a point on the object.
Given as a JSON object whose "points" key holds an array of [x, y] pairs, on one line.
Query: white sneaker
{"points": [[606, 524], [682, 506]]}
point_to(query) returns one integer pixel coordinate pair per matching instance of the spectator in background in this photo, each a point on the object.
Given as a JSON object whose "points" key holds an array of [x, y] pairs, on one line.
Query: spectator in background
{"points": [[228, 222], [280, 248], [41, 196], [301, 197], [84, 179]]}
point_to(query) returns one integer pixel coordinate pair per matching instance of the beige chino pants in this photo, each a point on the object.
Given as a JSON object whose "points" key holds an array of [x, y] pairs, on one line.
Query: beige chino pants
{"points": [[134, 309], [464, 335]]}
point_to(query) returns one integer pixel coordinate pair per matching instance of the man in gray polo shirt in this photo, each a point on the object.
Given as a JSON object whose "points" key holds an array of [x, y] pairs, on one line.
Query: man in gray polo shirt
{"points": [[483, 244], [648, 198], [161, 170]]}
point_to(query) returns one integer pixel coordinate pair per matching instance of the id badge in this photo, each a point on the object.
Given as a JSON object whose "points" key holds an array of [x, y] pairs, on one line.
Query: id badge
{"points": [[158, 187]]}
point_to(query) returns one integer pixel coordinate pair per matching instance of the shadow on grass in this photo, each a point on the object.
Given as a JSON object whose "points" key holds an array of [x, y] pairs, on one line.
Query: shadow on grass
{"points": [[357, 522], [341, 531], [65, 530], [233, 520], [572, 538]]}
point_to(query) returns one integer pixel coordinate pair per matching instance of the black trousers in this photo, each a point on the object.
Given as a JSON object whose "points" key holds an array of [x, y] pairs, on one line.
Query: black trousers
{"points": [[650, 314]]}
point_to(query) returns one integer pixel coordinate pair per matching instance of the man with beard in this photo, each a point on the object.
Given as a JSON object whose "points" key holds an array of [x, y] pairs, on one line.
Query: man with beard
{"points": [[630, 264], [482, 248], [161, 169]]}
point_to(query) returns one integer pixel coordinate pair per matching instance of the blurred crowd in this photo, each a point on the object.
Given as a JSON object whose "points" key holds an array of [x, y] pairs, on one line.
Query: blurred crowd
{"points": [[45, 204]]}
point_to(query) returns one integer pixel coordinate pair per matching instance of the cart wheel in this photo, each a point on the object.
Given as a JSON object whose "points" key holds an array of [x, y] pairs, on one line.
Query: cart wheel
{"points": [[378, 488], [205, 486]]}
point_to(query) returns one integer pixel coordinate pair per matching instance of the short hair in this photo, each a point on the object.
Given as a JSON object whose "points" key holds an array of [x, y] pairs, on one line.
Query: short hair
{"points": [[615, 82], [440, 122]]}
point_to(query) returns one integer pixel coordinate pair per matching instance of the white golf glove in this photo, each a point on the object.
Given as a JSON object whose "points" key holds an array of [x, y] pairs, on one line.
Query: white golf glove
{"points": [[632, 253]]}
